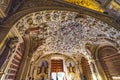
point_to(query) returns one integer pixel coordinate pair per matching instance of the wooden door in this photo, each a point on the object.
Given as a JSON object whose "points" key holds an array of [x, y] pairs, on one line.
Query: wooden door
{"points": [[57, 65]]}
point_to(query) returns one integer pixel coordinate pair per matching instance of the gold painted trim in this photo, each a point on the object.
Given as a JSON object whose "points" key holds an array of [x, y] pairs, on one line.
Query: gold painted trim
{"points": [[2, 14]]}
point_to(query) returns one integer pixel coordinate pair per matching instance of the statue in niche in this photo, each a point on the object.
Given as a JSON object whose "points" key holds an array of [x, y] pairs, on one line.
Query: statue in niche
{"points": [[42, 68], [42, 71], [71, 68], [71, 72], [12, 43]]}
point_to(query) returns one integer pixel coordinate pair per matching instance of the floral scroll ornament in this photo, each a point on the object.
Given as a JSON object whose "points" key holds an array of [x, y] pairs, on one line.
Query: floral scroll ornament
{"points": [[67, 33]]}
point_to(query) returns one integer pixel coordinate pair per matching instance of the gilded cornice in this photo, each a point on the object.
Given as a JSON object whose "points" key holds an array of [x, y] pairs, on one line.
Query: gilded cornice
{"points": [[91, 4]]}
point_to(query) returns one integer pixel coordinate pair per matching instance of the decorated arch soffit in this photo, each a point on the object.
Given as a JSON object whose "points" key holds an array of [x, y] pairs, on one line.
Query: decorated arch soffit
{"points": [[50, 56], [65, 32]]}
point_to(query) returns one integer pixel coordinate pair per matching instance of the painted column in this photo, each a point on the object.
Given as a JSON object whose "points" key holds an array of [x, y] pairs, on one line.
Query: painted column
{"points": [[24, 59], [27, 67], [35, 71], [49, 69], [31, 69], [94, 70], [97, 72], [78, 72]]}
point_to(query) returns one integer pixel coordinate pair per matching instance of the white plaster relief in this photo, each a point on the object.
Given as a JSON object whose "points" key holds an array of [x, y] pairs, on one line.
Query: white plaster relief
{"points": [[65, 33]]}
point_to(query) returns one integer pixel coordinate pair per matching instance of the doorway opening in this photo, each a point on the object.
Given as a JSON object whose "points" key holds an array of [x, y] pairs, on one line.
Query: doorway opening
{"points": [[57, 69]]}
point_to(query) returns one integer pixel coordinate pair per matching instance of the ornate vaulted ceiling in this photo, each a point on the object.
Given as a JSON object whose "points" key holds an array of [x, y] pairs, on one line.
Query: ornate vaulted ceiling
{"points": [[54, 29], [66, 32]]}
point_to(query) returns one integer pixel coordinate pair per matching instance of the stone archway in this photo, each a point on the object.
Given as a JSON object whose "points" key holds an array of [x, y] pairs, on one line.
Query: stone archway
{"points": [[108, 62], [51, 66]]}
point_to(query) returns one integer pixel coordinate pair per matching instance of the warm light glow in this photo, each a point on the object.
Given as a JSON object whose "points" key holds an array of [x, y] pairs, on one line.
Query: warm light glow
{"points": [[116, 77], [99, 77], [87, 3], [94, 77]]}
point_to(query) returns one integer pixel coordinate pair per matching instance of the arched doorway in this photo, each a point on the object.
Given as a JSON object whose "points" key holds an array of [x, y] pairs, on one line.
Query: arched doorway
{"points": [[56, 69], [110, 62], [87, 75]]}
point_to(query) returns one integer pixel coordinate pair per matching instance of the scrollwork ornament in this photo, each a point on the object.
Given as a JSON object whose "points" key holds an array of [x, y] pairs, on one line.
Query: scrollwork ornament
{"points": [[66, 33]]}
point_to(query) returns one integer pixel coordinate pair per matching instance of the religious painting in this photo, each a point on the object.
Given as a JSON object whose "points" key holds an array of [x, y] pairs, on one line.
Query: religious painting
{"points": [[42, 71], [70, 66], [71, 70]]}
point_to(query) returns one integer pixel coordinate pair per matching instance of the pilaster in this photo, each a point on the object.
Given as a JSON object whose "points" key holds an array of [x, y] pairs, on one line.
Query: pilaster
{"points": [[24, 59], [27, 67]]}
